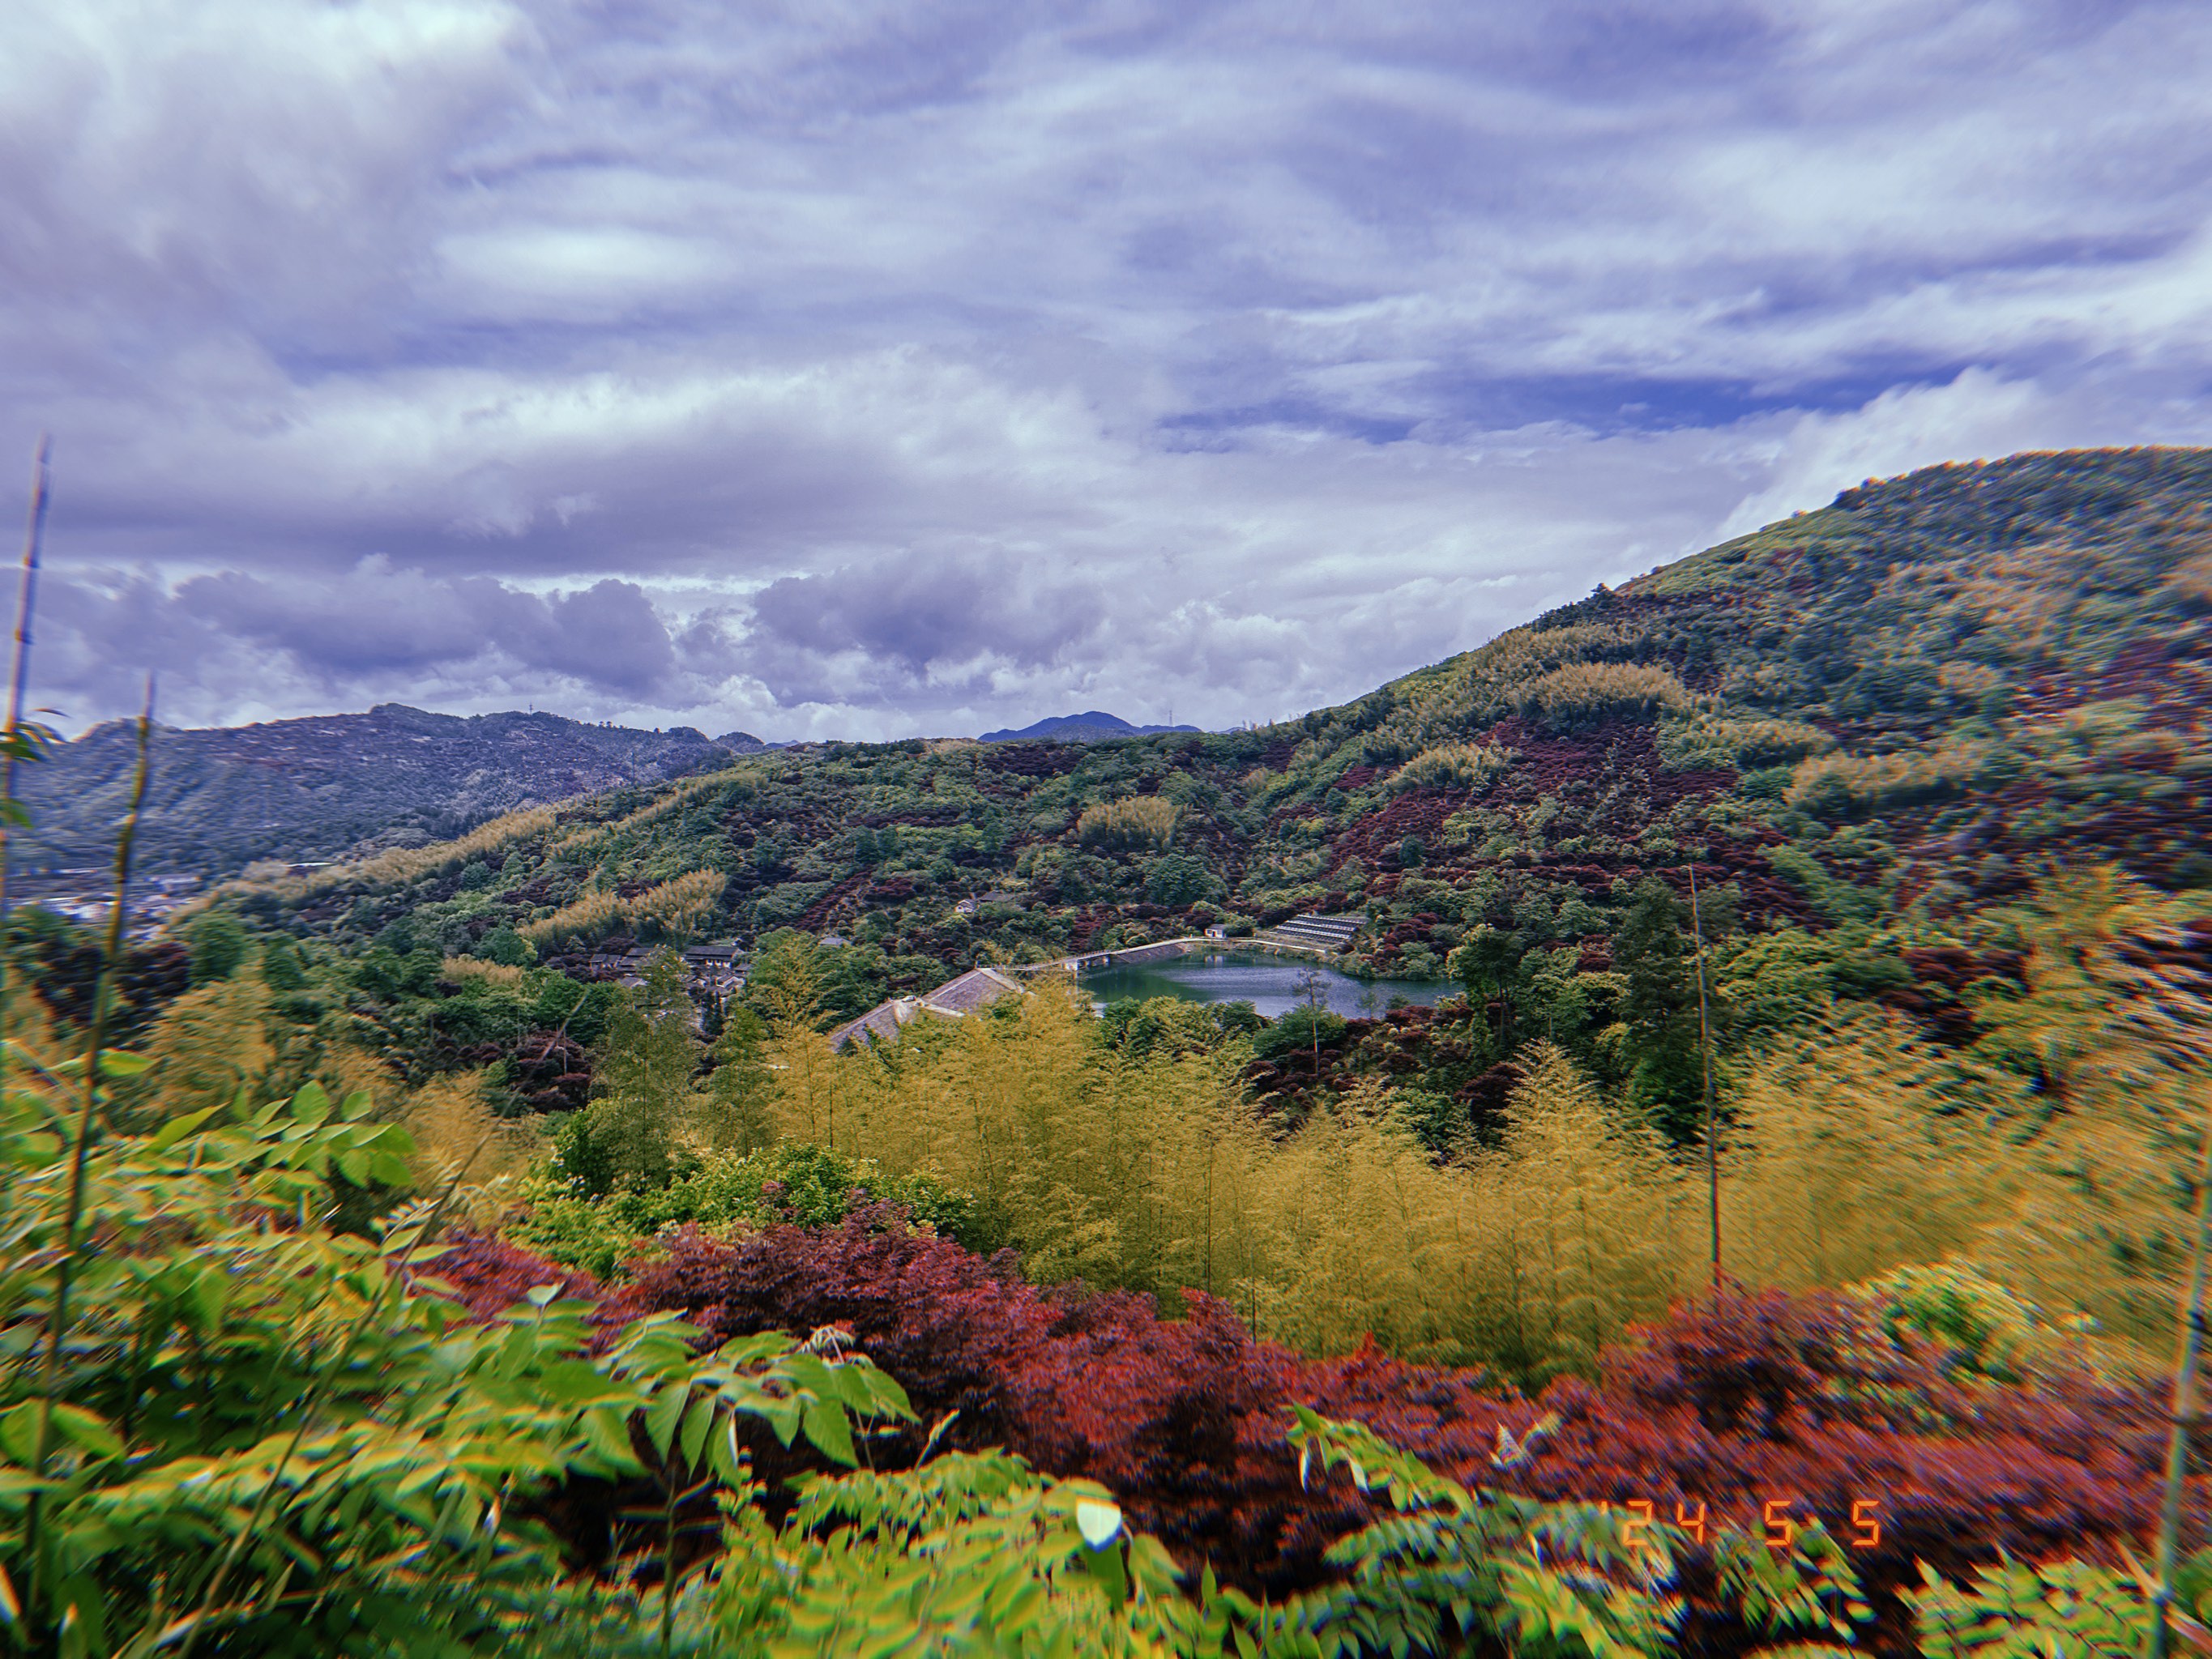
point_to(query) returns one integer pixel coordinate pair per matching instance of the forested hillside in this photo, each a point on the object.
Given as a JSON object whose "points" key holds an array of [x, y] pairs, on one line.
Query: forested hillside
{"points": [[442, 1289]]}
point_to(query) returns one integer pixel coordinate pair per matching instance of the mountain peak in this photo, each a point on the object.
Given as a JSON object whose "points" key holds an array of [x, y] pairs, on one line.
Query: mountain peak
{"points": [[1095, 726]]}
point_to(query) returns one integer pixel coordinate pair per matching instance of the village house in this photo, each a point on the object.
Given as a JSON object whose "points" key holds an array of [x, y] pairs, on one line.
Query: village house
{"points": [[710, 971], [957, 999]]}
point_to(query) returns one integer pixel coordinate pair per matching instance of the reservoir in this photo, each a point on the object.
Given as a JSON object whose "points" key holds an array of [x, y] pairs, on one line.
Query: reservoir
{"points": [[1268, 982]]}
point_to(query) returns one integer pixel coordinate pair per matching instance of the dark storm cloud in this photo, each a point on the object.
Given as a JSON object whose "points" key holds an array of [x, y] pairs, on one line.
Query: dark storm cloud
{"points": [[872, 368], [916, 612], [375, 631], [377, 622]]}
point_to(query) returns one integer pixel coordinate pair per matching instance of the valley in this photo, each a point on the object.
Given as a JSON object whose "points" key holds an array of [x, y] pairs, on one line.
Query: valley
{"points": [[1862, 732]]}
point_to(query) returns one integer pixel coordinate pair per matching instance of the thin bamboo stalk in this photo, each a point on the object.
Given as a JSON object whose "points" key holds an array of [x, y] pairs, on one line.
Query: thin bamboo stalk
{"points": [[2188, 1408], [2188, 1413], [1706, 1048], [34, 537], [80, 1159]]}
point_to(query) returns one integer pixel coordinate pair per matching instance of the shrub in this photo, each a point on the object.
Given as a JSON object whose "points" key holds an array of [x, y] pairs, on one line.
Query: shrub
{"points": [[1764, 1396], [462, 1148], [676, 909], [401, 865], [210, 1044], [461, 970], [793, 1183], [400, 1508], [1767, 1396], [487, 1275], [278, 1438], [1987, 1330], [584, 918], [2067, 1606], [1834, 785], [2192, 580], [1468, 766], [1585, 694], [1130, 824], [1182, 1420], [1710, 740]]}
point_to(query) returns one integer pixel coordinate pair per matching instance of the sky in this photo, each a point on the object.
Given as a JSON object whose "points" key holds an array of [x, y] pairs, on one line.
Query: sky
{"points": [[867, 370]]}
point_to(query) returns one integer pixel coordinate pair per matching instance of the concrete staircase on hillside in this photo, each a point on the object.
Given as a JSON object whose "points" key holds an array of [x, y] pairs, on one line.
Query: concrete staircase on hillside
{"points": [[1327, 936]]}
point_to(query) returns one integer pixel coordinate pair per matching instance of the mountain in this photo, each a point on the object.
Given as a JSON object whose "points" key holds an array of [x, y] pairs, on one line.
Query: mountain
{"points": [[1860, 727], [332, 785], [1093, 727]]}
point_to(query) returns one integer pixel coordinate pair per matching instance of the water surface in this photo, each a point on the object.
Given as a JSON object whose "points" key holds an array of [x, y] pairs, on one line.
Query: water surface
{"points": [[1269, 983]]}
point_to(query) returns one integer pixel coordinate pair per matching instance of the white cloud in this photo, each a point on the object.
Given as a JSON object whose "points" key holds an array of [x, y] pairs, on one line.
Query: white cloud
{"points": [[1980, 415], [1231, 358]]}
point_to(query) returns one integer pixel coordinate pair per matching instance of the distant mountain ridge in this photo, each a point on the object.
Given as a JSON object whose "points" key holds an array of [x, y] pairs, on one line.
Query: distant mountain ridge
{"points": [[1096, 726], [329, 786]]}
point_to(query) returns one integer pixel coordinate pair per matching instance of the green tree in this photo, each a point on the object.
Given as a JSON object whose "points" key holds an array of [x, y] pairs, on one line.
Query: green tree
{"points": [[1654, 950], [1308, 1025], [785, 980], [1178, 880], [627, 1136], [504, 946], [853, 979], [281, 968], [740, 1090], [219, 947], [1166, 1025], [1488, 963]]}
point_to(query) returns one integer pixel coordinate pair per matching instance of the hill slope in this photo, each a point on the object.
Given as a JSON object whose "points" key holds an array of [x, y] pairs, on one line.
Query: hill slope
{"points": [[305, 790], [1904, 702]]}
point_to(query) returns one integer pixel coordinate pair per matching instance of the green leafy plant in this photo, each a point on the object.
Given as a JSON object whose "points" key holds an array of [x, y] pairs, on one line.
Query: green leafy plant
{"points": [[2019, 1611], [1449, 1563], [792, 1181], [274, 1437], [970, 1555]]}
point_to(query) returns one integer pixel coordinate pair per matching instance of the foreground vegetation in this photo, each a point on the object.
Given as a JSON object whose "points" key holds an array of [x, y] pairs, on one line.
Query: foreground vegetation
{"points": [[269, 1435], [300, 1410]]}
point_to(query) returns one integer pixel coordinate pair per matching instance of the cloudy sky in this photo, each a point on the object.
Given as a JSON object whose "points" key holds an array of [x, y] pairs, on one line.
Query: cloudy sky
{"points": [[842, 368]]}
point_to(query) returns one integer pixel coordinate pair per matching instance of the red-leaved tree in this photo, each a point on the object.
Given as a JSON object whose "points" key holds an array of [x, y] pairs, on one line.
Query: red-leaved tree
{"points": [[1800, 1403]]}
